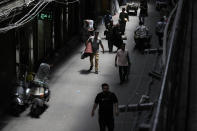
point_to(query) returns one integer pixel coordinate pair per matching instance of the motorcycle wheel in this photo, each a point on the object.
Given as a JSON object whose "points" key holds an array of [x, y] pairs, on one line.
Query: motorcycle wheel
{"points": [[36, 108], [16, 109], [35, 112]]}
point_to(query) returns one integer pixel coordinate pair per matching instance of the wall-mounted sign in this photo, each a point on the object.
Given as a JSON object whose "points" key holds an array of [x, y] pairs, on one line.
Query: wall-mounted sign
{"points": [[45, 16]]}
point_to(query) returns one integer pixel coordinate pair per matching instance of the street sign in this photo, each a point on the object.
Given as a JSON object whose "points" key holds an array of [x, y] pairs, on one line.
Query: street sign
{"points": [[45, 16]]}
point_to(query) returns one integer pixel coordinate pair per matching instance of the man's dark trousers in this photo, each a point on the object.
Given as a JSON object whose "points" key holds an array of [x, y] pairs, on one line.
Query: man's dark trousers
{"points": [[123, 73], [110, 45], [122, 27], [105, 122]]}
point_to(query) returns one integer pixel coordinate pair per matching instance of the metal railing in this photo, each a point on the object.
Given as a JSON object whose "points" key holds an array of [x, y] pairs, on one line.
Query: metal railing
{"points": [[164, 114]]}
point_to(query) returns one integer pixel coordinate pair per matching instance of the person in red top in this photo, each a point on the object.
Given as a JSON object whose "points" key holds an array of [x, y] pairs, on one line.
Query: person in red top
{"points": [[95, 43]]}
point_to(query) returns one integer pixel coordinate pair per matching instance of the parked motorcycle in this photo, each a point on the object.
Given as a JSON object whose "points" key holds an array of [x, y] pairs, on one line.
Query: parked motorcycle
{"points": [[19, 98], [40, 93]]}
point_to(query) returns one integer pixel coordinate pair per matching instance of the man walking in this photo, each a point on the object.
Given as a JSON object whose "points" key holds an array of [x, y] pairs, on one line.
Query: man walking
{"points": [[122, 60], [106, 100], [117, 38], [95, 42], [109, 35], [160, 30], [123, 18], [107, 18]]}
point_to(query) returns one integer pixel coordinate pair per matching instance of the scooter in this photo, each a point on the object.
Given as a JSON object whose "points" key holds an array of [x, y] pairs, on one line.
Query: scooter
{"points": [[40, 95], [19, 98]]}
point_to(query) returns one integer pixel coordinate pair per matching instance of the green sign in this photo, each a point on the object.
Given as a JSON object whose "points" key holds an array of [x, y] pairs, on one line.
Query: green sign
{"points": [[45, 16]]}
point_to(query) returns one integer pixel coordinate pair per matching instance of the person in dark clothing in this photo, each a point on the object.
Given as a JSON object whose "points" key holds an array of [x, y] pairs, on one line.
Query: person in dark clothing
{"points": [[117, 38], [109, 35], [123, 18], [143, 10], [106, 100], [107, 18], [160, 27], [144, 7]]}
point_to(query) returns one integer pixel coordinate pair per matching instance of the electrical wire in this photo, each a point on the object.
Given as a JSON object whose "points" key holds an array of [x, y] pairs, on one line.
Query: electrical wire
{"points": [[11, 10], [28, 17], [29, 12], [12, 17], [5, 1], [16, 12], [6, 14], [25, 20], [67, 2], [73, 2], [59, 2], [35, 14], [9, 17]]}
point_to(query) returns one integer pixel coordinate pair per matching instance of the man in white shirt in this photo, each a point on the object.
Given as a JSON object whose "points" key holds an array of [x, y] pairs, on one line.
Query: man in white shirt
{"points": [[122, 60]]}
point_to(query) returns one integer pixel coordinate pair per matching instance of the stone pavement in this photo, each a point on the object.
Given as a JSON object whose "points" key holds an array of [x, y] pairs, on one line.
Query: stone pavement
{"points": [[73, 89], [138, 79]]}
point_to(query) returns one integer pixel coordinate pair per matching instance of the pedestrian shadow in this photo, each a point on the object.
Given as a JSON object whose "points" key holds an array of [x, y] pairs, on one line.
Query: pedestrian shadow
{"points": [[107, 51], [84, 72], [46, 106]]}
